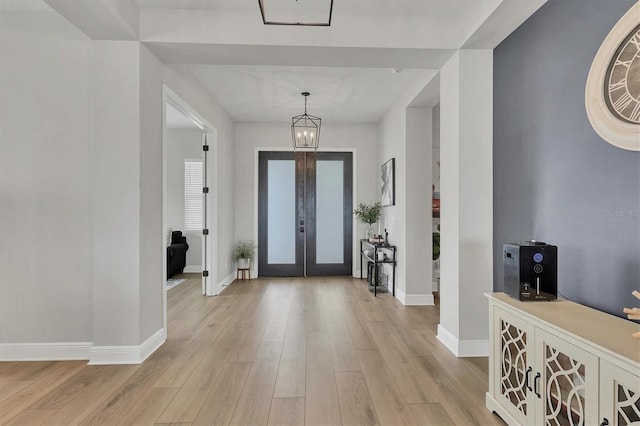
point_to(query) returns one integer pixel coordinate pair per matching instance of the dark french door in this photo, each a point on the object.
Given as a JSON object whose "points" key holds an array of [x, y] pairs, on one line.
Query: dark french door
{"points": [[305, 213]]}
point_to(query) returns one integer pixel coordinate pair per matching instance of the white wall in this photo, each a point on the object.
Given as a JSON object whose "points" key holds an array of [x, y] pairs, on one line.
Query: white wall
{"points": [[467, 201], [182, 145], [45, 274], [419, 251], [115, 204], [81, 186], [393, 144], [248, 136], [152, 244]]}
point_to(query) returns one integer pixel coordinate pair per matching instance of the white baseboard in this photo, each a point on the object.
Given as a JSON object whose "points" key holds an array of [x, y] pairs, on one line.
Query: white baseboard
{"points": [[225, 282], [192, 269], [463, 348], [228, 279], [414, 299], [129, 354], [82, 351], [44, 351], [152, 344]]}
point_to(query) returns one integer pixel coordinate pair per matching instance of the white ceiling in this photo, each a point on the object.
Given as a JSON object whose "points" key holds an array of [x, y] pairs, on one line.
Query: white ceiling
{"points": [[273, 93], [24, 5], [441, 8], [257, 72]]}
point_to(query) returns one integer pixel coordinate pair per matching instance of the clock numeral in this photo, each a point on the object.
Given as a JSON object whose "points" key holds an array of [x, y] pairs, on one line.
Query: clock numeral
{"points": [[635, 114], [635, 40], [622, 84], [625, 64], [623, 102]]}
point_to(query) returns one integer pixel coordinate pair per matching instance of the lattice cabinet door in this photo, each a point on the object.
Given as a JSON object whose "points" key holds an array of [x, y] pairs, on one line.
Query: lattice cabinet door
{"points": [[619, 396], [565, 383], [513, 365]]}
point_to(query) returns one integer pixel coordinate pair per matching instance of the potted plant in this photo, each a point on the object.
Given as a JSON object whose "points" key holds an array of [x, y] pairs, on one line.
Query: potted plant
{"points": [[244, 251], [369, 214]]}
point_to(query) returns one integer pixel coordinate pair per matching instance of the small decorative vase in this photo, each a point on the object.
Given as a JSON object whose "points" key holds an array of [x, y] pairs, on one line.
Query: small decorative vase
{"points": [[244, 263], [369, 232]]}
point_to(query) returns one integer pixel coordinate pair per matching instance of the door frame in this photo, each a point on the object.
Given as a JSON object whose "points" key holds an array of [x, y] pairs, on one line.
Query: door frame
{"points": [[209, 287], [354, 226]]}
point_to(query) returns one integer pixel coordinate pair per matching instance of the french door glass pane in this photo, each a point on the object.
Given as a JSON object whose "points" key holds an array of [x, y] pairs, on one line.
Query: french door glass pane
{"points": [[329, 211], [281, 226]]}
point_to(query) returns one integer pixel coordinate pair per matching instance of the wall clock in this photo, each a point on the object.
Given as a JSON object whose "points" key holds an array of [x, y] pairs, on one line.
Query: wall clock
{"points": [[612, 94]]}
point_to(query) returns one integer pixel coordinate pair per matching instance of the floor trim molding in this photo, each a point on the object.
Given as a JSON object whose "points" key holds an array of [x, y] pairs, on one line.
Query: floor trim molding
{"points": [[70, 351], [226, 281], [126, 354], [192, 269], [414, 299], [463, 348], [152, 344]]}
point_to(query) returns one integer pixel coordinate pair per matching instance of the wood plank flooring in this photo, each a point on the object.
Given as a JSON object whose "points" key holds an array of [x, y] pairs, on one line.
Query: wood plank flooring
{"points": [[282, 351]]}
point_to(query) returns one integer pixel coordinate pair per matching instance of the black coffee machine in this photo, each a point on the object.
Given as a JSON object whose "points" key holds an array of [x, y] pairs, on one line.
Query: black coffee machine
{"points": [[531, 271]]}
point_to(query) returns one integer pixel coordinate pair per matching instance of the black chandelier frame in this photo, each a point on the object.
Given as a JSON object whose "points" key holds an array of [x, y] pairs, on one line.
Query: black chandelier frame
{"points": [[303, 24], [306, 121]]}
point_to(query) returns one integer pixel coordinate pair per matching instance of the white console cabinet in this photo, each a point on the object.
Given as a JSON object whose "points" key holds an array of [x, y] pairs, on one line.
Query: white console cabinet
{"points": [[560, 363]]}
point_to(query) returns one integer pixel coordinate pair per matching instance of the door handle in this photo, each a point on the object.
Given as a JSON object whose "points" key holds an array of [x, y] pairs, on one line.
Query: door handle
{"points": [[536, 383], [527, 381], [605, 422]]}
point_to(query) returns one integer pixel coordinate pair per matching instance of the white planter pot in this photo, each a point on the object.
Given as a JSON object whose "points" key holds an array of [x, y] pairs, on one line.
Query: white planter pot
{"points": [[244, 263]]}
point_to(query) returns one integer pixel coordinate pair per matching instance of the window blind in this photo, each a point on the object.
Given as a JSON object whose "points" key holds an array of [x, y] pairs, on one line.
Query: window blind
{"points": [[193, 195]]}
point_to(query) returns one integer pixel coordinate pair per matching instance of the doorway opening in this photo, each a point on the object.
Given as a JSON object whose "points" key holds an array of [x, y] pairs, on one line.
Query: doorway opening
{"points": [[189, 209], [305, 221]]}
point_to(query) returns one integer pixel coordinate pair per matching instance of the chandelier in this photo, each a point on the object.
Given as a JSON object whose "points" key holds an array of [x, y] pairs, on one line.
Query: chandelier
{"points": [[305, 129]]}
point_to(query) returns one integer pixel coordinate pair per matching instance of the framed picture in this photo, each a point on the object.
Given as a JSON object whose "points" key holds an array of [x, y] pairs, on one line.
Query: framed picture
{"points": [[388, 174]]}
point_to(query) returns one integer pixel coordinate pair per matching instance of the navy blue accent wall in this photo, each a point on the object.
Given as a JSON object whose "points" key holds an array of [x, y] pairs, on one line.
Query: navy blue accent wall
{"points": [[555, 179]]}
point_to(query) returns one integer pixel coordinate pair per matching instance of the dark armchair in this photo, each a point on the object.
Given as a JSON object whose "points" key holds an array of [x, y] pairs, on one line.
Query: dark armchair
{"points": [[176, 254]]}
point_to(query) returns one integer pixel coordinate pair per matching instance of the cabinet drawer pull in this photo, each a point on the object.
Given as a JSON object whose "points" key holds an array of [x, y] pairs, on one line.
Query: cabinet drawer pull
{"points": [[527, 381], [536, 383], [605, 422]]}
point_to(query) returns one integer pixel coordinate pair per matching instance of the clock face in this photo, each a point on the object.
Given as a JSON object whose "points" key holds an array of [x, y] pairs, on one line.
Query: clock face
{"points": [[622, 80], [612, 92]]}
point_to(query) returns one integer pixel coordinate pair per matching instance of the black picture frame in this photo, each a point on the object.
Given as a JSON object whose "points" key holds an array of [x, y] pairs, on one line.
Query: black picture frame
{"points": [[388, 183]]}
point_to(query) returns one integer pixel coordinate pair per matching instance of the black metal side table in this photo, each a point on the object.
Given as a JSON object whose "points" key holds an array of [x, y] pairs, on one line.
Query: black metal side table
{"points": [[388, 260]]}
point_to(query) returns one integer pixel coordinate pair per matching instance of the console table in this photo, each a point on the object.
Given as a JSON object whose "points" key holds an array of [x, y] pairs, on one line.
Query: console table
{"points": [[561, 363], [390, 259]]}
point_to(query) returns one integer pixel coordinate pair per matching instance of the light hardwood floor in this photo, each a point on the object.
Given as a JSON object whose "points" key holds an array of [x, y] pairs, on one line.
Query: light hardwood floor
{"points": [[316, 351]]}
